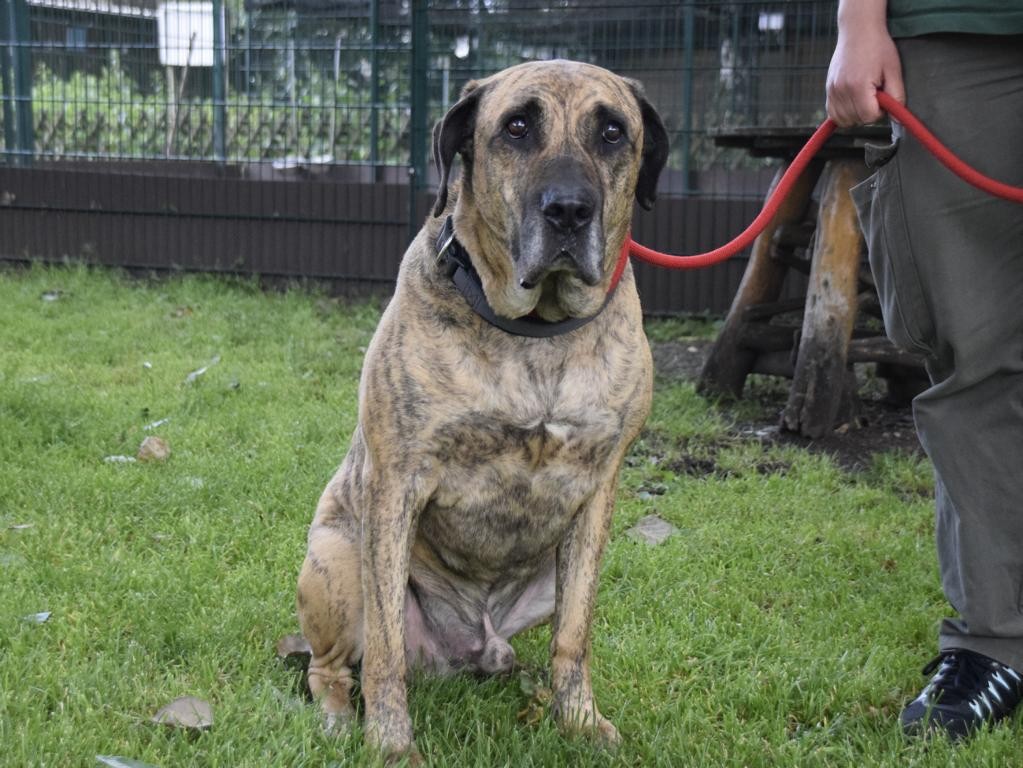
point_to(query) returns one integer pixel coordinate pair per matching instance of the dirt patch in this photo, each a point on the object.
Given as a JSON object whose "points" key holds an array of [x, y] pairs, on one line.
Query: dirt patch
{"points": [[878, 427]]}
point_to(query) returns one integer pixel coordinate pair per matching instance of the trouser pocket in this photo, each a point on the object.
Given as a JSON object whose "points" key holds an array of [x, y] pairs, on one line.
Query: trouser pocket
{"points": [[878, 199]]}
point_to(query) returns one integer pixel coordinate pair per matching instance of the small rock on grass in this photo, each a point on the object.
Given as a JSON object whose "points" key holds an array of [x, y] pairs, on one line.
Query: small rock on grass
{"points": [[186, 712], [154, 448], [652, 530]]}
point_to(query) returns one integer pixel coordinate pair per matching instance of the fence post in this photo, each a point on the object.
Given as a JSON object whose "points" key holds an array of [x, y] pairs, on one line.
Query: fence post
{"points": [[418, 110], [482, 43], [687, 95], [10, 137], [19, 135], [374, 85], [219, 105]]}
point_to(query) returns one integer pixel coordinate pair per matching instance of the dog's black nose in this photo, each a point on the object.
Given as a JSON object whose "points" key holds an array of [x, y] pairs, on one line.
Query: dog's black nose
{"points": [[568, 210]]}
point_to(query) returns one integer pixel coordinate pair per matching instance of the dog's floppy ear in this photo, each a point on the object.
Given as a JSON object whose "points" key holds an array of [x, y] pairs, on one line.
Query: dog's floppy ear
{"points": [[452, 135], [655, 148]]}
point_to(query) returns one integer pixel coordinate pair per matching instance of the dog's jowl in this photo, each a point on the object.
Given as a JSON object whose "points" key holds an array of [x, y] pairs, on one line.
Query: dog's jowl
{"points": [[507, 378]]}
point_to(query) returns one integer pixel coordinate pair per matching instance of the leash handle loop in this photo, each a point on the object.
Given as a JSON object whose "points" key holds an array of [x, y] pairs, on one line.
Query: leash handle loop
{"points": [[798, 165]]}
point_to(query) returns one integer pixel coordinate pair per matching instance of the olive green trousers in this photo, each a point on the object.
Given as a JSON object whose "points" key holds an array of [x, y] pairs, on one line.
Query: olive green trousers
{"points": [[948, 262]]}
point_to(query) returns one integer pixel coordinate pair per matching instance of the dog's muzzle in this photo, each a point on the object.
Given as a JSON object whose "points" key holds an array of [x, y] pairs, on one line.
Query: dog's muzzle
{"points": [[566, 236]]}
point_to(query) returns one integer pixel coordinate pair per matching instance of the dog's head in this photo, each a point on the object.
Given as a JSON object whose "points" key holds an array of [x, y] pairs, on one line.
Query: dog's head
{"points": [[553, 154]]}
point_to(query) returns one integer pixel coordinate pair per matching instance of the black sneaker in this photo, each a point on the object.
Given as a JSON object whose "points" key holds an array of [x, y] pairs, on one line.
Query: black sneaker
{"points": [[967, 691]]}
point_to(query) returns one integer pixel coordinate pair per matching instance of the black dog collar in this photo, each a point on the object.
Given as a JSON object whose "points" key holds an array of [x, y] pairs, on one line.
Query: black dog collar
{"points": [[458, 266]]}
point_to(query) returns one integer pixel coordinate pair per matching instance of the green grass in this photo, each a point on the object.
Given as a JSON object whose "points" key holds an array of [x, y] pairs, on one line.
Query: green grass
{"points": [[784, 625]]}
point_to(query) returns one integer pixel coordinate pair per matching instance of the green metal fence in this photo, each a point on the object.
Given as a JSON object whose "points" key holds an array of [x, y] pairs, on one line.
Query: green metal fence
{"points": [[271, 81], [359, 81], [290, 138]]}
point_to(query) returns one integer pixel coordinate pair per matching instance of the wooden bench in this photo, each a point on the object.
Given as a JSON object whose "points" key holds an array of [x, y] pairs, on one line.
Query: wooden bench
{"points": [[840, 314]]}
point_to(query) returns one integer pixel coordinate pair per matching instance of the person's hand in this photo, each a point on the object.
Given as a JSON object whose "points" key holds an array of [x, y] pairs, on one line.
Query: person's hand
{"points": [[865, 59]]}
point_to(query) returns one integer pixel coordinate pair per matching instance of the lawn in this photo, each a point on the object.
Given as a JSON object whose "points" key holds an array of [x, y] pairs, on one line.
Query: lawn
{"points": [[783, 624]]}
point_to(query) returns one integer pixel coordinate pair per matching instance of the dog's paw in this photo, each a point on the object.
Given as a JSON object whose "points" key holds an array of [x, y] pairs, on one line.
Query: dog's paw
{"points": [[338, 712], [410, 758], [338, 723], [390, 735], [394, 755], [588, 723], [605, 733]]}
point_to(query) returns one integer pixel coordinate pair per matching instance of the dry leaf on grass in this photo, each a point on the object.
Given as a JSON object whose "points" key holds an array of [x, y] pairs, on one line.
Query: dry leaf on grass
{"points": [[186, 712], [190, 378], [154, 448], [539, 699], [294, 651], [115, 761]]}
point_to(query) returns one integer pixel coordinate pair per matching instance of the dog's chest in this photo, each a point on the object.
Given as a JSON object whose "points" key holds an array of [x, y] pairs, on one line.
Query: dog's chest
{"points": [[510, 447], [515, 469]]}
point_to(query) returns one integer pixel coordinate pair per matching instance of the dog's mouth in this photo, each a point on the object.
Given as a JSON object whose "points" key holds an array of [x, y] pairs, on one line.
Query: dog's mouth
{"points": [[543, 254], [566, 262], [563, 283]]}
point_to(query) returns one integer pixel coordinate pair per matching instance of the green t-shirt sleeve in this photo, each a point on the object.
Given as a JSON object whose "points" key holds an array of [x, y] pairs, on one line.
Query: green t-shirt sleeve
{"points": [[909, 18]]}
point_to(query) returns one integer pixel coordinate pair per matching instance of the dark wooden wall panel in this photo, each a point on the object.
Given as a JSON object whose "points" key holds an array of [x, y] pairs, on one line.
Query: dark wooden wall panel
{"points": [[348, 232]]}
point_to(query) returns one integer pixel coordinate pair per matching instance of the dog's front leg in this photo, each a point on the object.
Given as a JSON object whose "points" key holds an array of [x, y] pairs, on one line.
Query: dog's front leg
{"points": [[388, 528], [578, 565]]}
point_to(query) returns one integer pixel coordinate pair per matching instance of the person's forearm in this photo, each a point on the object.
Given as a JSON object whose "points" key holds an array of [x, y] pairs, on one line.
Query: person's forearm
{"points": [[862, 15], [865, 59]]}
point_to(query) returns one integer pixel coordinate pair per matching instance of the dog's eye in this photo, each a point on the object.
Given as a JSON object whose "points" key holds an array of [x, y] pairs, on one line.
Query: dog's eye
{"points": [[517, 127], [613, 132]]}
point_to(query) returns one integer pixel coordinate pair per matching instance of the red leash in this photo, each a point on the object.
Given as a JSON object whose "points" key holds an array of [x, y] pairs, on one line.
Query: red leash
{"points": [[792, 173]]}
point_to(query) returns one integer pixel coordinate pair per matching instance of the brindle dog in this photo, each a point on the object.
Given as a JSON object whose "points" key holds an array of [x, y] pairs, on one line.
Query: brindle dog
{"points": [[476, 497]]}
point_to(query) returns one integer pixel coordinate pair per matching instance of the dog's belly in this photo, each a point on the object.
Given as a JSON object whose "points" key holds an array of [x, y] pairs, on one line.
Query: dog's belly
{"points": [[483, 564], [499, 520]]}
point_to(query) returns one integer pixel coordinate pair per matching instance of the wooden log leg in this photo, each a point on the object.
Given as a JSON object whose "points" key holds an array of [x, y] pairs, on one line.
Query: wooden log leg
{"points": [[821, 381], [728, 363]]}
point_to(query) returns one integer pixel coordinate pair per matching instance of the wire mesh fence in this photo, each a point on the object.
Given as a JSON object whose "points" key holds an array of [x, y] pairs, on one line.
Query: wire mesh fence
{"points": [[330, 81], [203, 80], [707, 66], [312, 118]]}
